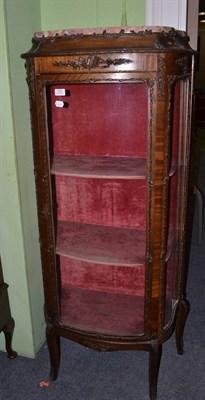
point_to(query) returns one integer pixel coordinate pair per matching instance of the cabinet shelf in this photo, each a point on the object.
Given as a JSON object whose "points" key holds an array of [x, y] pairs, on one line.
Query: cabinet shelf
{"points": [[103, 167], [102, 277], [101, 244], [102, 312]]}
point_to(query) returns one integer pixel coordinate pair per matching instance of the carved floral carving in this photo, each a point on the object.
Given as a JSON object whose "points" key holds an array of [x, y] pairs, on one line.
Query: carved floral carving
{"points": [[91, 62], [161, 76], [183, 62], [173, 38]]}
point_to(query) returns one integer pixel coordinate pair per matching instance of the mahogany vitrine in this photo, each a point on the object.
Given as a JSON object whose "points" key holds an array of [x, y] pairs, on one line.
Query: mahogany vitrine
{"points": [[110, 112]]}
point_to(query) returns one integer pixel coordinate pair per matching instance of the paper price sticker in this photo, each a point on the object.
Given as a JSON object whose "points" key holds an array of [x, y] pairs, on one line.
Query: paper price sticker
{"points": [[59, 103], [60, 92]]}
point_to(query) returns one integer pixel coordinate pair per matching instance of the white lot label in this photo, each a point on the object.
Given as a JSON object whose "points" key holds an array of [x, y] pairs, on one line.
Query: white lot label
{"points": [[59, 103], [60, 92]]}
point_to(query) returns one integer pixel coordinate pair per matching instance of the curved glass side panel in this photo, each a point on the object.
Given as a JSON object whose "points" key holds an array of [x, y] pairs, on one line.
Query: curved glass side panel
{"points": [[176, 213]]}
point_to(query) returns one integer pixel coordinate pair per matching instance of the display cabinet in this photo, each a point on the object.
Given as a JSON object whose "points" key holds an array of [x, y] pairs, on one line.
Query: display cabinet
{"points": [[110, 112]]}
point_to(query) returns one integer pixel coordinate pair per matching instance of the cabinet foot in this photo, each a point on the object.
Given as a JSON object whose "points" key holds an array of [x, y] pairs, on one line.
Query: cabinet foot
{"points": [[8, 333], [182, 314], [154, 364], [53, 342]]}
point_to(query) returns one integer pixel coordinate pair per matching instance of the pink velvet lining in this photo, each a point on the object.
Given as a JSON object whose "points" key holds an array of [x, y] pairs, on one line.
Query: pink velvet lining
{"points": [[111, 202], [102, 277], [100, 119], [102, 264]]}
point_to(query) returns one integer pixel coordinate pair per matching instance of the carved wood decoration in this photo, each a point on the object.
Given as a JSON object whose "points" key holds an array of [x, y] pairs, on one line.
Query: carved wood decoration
{"points": [[92, 62], [110, 112], [161, 76]]}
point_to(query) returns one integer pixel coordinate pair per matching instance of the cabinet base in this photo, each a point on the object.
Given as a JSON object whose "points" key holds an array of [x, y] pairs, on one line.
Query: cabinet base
{"points": [[106, 343]]}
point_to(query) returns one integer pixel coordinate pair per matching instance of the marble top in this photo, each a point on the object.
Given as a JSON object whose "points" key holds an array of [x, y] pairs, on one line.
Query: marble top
{"points": [[103, 30]]}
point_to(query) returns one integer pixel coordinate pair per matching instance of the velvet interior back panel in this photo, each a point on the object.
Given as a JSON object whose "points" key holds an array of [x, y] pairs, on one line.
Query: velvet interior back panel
{"points": [[100, 119]]}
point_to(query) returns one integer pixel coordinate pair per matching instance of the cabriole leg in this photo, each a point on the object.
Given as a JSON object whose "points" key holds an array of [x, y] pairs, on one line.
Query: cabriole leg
{"points": [[53, 342], [182, 314], [8, 333], [154, 364]]}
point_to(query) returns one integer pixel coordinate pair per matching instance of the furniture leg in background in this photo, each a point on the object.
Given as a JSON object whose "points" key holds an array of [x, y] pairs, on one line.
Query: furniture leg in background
{"points": [[6, 321]]}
